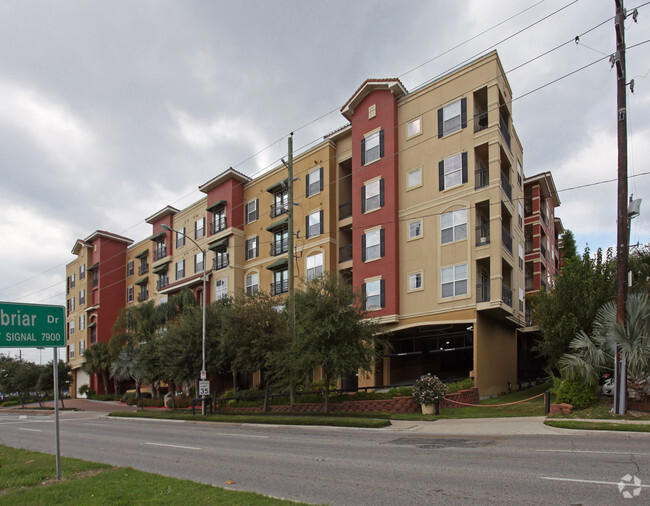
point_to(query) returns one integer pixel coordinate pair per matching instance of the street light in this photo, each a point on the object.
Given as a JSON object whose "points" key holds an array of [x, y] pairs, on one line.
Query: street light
{"points": [[170, 229]]}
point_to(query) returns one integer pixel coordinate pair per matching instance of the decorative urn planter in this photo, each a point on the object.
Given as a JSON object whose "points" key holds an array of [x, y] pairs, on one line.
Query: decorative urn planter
{"points": [[428, 409]]}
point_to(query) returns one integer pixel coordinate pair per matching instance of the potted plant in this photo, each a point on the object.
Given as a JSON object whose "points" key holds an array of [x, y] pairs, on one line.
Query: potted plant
{"points": [[427, 391]]}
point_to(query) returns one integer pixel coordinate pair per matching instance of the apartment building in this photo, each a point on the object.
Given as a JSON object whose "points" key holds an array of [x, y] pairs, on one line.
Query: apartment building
{"points": [[417, 201]]}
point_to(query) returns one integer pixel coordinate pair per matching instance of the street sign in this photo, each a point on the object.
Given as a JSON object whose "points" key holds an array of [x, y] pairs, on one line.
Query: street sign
{"points": [[204, 388], [203, 375], [31, 325]]}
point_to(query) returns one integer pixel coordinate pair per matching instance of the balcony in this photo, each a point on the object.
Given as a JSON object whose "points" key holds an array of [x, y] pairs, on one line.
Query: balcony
{"points": [[506, 295], [543, 216], [278, 209], [280, 287], [528, 245], [542, 249], [279, 247], [95, 281], [529, 317], [480, 121], [483, 234], [159, 253], [481, 177], [507, 187], [345, 253], [218, 225], [143, 269], [162, 283], [530, 283], [503, 128], [506, 238], [220, 262], [143, 295], [345, 210], [483, 292]]}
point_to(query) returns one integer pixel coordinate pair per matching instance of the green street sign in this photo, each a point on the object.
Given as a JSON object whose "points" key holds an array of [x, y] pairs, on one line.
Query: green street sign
{"points": [[31, 325]]}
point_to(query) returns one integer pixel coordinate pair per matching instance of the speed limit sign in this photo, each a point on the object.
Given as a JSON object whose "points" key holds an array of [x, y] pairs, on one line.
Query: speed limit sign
{"points": [[204, 388]]}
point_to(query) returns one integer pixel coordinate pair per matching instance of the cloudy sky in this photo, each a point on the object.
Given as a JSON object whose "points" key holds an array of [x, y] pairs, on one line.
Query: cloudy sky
{"points": [[110, 111]]}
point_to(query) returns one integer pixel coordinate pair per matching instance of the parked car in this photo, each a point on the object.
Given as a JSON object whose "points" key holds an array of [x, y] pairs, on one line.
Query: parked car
{"points": [[608, 388]]}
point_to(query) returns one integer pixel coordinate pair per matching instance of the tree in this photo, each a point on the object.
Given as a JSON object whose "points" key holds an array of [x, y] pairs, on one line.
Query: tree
{"points": [[45, 382], [255, 337], [18, 376], [592, 355], [582, 287], [333, 331], [125, 368], [97, 360]]}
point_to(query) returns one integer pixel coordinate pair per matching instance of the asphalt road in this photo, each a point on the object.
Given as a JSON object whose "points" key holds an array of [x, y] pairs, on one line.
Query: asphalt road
{"points": [[410, 464]]}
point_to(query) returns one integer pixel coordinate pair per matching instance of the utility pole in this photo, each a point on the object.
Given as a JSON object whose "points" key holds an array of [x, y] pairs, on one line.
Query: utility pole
{"points": [[292, 307], [622, 248]]}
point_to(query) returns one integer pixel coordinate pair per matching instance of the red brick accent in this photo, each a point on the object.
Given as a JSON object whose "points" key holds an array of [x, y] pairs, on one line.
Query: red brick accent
{"points": [[563, 409]]}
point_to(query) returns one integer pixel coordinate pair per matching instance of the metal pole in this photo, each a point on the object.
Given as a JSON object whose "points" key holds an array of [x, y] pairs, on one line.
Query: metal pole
{"points": [[292, 308], [55, 368], [205, 274]]}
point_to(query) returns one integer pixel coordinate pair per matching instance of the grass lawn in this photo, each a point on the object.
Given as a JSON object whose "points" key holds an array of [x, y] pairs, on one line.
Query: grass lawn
{"points": [[576, 424], [601, 411], [30, 478], [267, 418]]}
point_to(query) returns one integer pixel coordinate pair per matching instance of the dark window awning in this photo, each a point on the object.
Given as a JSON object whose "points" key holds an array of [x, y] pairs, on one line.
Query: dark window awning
{"points": [[159, 236], [221, 243], [216, 205], [276, 186], [278, 224], [93, 267], [142, 280], [161, 268], [278, 264], [92, 324], [142, 254]]}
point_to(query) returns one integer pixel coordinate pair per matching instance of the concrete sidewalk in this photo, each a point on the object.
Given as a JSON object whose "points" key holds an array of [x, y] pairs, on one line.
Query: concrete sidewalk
{"points": [[530, 425]]}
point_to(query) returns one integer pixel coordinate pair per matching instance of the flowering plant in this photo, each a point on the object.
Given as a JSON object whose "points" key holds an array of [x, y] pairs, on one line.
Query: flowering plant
{"points": [[428, 388]]}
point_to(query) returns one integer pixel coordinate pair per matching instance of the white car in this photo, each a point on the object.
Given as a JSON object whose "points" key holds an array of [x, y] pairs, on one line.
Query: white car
{"points": [[608, 388]]}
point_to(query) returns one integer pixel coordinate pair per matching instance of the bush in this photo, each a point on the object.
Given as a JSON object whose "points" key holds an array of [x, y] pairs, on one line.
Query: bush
{"points": [[87, 391], [465, 384], [428, 388], [6, 404], [574, 392], [181, 402]]}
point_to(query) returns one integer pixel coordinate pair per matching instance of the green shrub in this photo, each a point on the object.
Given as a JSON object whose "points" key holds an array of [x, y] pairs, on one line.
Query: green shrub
{"points": [[181, 402], [87, 391], [6, 404], [457, 386], [574, 392]]}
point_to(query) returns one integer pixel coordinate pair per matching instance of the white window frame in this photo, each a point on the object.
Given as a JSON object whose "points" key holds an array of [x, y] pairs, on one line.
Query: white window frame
{"points": [[372, 144], [180, 238], [130, 294], [415, 229], [521, 300], [71, 350], [181, 264], [373, 244], [82, 271], [456, 221], [415, 281], [252, 283], [456, 278], [453, 171], [315, 266], [521, 257], [82, 347], [373, 295], [255, 253], [199, 228], [310, 182], [373, 195], [130, 268], [71, 327], [82, 296], [411, 184], [520, 216], [451, 113], [82, 322], [314, 224], [414, 127], [199, 265], [372, 111], [221, 288], [251, 211]]}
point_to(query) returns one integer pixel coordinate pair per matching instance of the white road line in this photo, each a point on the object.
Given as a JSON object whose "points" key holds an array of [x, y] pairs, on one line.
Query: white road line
{"points": [[174, 446], [31, 430], [240, 435], [596, 482], [596, 451]]}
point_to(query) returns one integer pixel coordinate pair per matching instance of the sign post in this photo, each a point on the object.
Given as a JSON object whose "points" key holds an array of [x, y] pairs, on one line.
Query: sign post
{"points": [[36, 326]]}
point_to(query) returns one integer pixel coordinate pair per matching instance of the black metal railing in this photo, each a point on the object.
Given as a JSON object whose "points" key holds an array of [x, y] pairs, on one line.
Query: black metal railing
{"points": [[483, 234], [483, 292], [345, 210], [507, 240], [278, 209], [218, 224], [481, 177], [481, 121], [503, 127], [159, 253], [507, 187], [542, 249], [530, 283], [143, 269], [279, 247], [506, 295], [345, 253], [220, 262], [528, 245], [143, 295], [280, 287], [162, 283]]}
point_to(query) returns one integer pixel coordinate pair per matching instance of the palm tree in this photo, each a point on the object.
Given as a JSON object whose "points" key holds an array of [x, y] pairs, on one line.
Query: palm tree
{"points": [[593, 355], [97, 360], [125, 367]]}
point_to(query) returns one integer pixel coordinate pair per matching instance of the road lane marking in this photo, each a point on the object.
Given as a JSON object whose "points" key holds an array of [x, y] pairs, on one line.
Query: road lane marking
{"points": [[174, 446], [31, 430], [240, 435], [595, 482], [596, 451]]}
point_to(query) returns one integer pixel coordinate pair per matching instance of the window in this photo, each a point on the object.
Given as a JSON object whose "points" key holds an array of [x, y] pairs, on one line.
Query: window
{"points": [[129, 294], [414, 178], [252, 247], [314, 266], [374, 292], [221, 258], [82, 347], [71, 327], [415, 229], [129, 268], [71, 350], [521, 300], [144, 265], [372, 196], [415, 281], [414, 127], [280, 203], [252, 283], [180, 238], [160, 250], [252, 212], [180, 269], [315, 182], [221, 291], [72, 280], [520, 209], [219, 221], [71, 304], [453, 226], [452, 117], [82, 297], [280, 242], [372, 147], [199, 262], [144, 292], [372, 111], [454, 280], [280, 282], [163, 280], [82, 271], [372, 245], [199, 228], [521, 257], [314, 224], [520, 173], [453, 171], [82, 322]]}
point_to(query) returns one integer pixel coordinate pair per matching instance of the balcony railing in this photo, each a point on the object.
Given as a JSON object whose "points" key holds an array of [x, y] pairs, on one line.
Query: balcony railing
{"points": [[345, 253], [220, 262], [528, 245], [483, 234], [506, 238], [279, 247], [280, 287], [481, 177], [162, 283], [503, 127], [483, 292], [507, 187], [506, 295], [143, 269], [542, 249], [278, 209], [345, 210], [529, 317], [218, 225], [543, 216], [530, 283], [142, 296], [528, 207], [481, 121], [159, 253]]}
